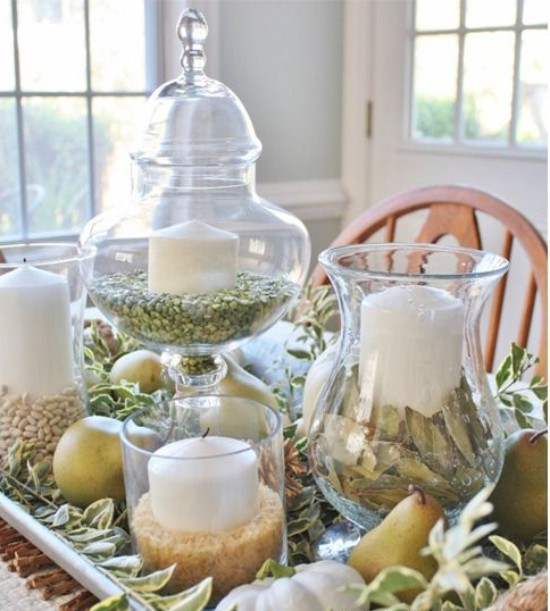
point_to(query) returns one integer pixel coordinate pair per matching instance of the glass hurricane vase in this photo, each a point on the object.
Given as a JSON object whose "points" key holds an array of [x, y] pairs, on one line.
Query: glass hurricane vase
{"points": [[407, 401]]}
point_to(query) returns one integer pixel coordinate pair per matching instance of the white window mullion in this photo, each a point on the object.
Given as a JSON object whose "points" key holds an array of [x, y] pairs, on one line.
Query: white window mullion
{"points": [[517, 75], [459, 115]]}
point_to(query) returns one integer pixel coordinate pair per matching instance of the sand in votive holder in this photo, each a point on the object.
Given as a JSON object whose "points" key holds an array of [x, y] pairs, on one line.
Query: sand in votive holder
{"points": [[42, 301], [203, 498]]}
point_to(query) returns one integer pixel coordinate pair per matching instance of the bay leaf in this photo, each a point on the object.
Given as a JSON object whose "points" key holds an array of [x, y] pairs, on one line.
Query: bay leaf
{"points": [[385, 422], [457, 426], [434, 446]]}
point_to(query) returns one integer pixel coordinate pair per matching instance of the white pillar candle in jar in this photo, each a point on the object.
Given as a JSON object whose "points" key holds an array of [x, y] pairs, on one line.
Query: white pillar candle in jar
{"points": [[204, 484], [36, 354], [192, 257], [410, 347]]}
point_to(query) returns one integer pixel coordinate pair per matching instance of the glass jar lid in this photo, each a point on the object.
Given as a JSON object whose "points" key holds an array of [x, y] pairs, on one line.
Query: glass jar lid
{"points": [[195, 120]]}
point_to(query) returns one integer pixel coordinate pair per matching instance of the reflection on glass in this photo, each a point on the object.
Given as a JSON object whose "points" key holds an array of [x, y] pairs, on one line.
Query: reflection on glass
{"points": [[488, 79], [57, 162], [10, 217], [115, 121], [434, 98], [7, 76], [533, 93], [490, 13], [535, 11], [52, 45], [437, 14], [107, 20]]}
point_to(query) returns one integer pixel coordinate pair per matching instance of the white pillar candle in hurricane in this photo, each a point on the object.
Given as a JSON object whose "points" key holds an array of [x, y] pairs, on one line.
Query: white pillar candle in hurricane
{"points": [[204, 484], [36, 353], [410, 347], [192, 257]]}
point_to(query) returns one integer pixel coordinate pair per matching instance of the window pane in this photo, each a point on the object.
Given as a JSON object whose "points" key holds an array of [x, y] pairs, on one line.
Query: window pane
{"points": [[115, 121], [57, 163], [488, 79], [434, 98], [107, 20], [490, 13], [52, 45], [10, 218], [437, 14], [535, 12], [7, 76], [533, 93]]}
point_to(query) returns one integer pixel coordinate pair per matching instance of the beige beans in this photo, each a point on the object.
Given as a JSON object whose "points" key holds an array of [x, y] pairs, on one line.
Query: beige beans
{"points": [[41, 421]]}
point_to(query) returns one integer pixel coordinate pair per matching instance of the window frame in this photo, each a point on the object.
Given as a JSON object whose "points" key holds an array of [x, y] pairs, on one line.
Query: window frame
{"points": [[459, 144], [155, 24]]}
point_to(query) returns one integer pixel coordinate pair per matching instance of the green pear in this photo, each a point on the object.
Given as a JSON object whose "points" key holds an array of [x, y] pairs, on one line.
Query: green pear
{"points": [[140, 366], [520, 498], [234, 418], [238, 382], [398, 539], [87, 462]]}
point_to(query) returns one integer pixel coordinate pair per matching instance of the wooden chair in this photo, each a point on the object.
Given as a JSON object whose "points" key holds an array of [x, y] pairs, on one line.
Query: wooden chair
{"points": [[455, 211]]}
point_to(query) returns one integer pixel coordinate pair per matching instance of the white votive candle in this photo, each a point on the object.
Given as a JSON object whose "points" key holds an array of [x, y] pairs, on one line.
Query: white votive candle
{"points": [[192, 257], [36, 355], [410, 347], [204, 484]]}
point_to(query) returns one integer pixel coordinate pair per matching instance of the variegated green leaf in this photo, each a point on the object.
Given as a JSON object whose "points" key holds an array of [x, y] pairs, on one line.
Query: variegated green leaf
{"points": [[486, 593], [66, 515], [193, 599], [509, 549], [87, 535], [389, 581], [99, 550], [123, 566], [99, 514], [118, 602], [298, 526], [510, 577], [152, 582], [535, 558]]}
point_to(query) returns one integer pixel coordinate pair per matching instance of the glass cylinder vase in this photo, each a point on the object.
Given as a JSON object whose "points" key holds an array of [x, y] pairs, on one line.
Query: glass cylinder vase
{"points": [[42, 301], [407, 401], [204, 480]]}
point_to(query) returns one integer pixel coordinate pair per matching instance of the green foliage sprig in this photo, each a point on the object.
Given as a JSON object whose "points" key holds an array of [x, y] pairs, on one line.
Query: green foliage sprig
{"points": [[514, 394]]}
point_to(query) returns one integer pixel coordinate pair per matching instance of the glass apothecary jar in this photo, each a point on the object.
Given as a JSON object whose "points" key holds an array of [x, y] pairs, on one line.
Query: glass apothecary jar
{"points": [[407, 401], [200, 263]]}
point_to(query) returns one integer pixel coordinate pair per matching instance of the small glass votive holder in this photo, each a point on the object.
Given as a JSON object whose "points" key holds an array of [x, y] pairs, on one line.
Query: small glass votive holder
{"points": [[204, 480], [42, 301]]}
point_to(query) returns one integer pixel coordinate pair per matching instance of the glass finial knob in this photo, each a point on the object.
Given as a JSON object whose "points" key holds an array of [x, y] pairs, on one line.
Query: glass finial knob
{"points": [[192, 31]]}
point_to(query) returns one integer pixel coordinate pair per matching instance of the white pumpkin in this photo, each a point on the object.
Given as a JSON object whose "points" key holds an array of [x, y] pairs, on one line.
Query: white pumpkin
{"points": [[314, 587]]}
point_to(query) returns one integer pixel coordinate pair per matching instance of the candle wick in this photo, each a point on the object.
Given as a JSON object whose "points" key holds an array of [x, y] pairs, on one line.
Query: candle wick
{"points": [[205, 433]]}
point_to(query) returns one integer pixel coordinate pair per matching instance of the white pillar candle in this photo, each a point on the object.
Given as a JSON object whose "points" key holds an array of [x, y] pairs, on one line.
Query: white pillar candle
{"points": [[192, 257], [410, 347], [36, 354], [204, 484]]}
